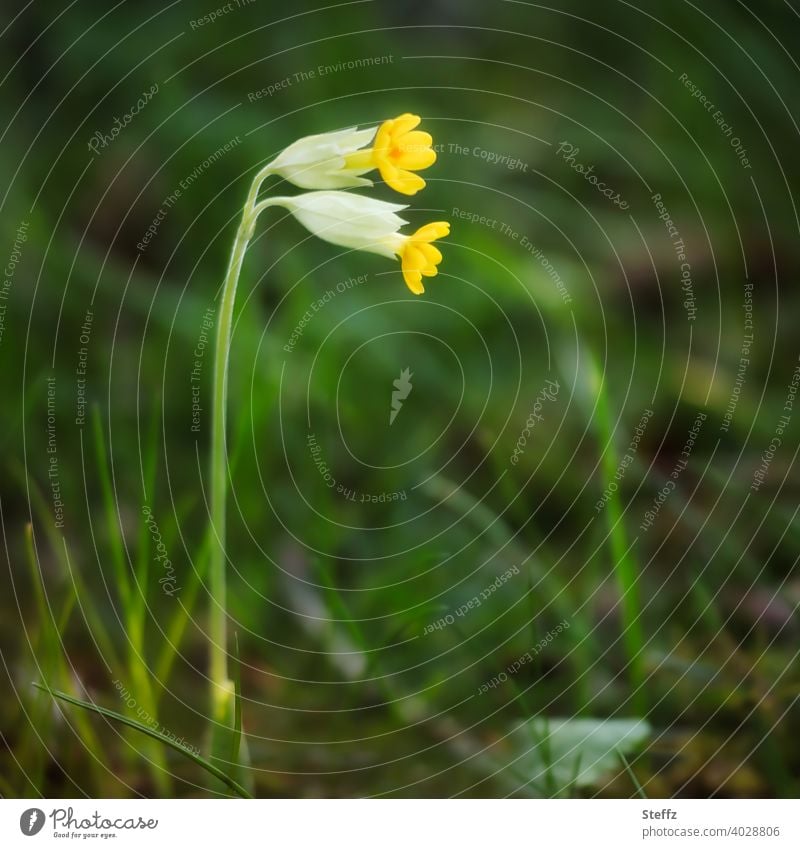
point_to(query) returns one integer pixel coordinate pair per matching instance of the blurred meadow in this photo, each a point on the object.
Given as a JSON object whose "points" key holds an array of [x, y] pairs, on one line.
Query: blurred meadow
{"points": [[568, 566]]}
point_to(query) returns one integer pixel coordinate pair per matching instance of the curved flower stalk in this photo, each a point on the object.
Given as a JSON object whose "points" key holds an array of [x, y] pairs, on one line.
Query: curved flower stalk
{"points": [[339, 159], [328, 161]]}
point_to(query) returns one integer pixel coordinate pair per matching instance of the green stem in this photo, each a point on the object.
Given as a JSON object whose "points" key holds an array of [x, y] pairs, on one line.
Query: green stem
{"points": [[221, 685], [625, 567]]}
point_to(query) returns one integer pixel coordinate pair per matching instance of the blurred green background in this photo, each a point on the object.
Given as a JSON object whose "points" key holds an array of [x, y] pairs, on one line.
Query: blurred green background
{"points": [[348, 689]]}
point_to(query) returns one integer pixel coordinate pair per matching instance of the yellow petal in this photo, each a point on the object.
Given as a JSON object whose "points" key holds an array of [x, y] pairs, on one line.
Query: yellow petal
{"points": [[414, 158], [404, 123], [403, 181], [431, 253], [430, 232], [383, 138], [389, 172], [414, 281], [413, 258], [432, 256], [418, 139], [412, 262], [387, 167]]}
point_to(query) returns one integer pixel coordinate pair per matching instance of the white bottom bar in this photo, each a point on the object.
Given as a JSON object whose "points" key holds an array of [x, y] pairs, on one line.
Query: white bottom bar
{"points": [[402, 823]]}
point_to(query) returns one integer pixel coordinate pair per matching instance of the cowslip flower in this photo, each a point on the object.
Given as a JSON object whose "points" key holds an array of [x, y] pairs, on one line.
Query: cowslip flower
{"points": [[339, 159], [323, 163], [363, 223]]}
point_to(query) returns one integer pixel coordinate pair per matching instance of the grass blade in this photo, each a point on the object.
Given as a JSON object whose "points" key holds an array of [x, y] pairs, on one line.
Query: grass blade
{"points": [[236, 739], [153, 734], [634, 780], [113, 528], [624, 565]]}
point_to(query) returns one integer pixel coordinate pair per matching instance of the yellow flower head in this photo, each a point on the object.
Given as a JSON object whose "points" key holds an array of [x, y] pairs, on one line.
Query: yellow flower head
{"points": [[397, 151], [418, 257]]}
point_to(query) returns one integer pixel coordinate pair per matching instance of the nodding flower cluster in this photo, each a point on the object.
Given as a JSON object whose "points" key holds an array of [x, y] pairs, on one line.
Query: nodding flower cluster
{"points": [[329, 162]]}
